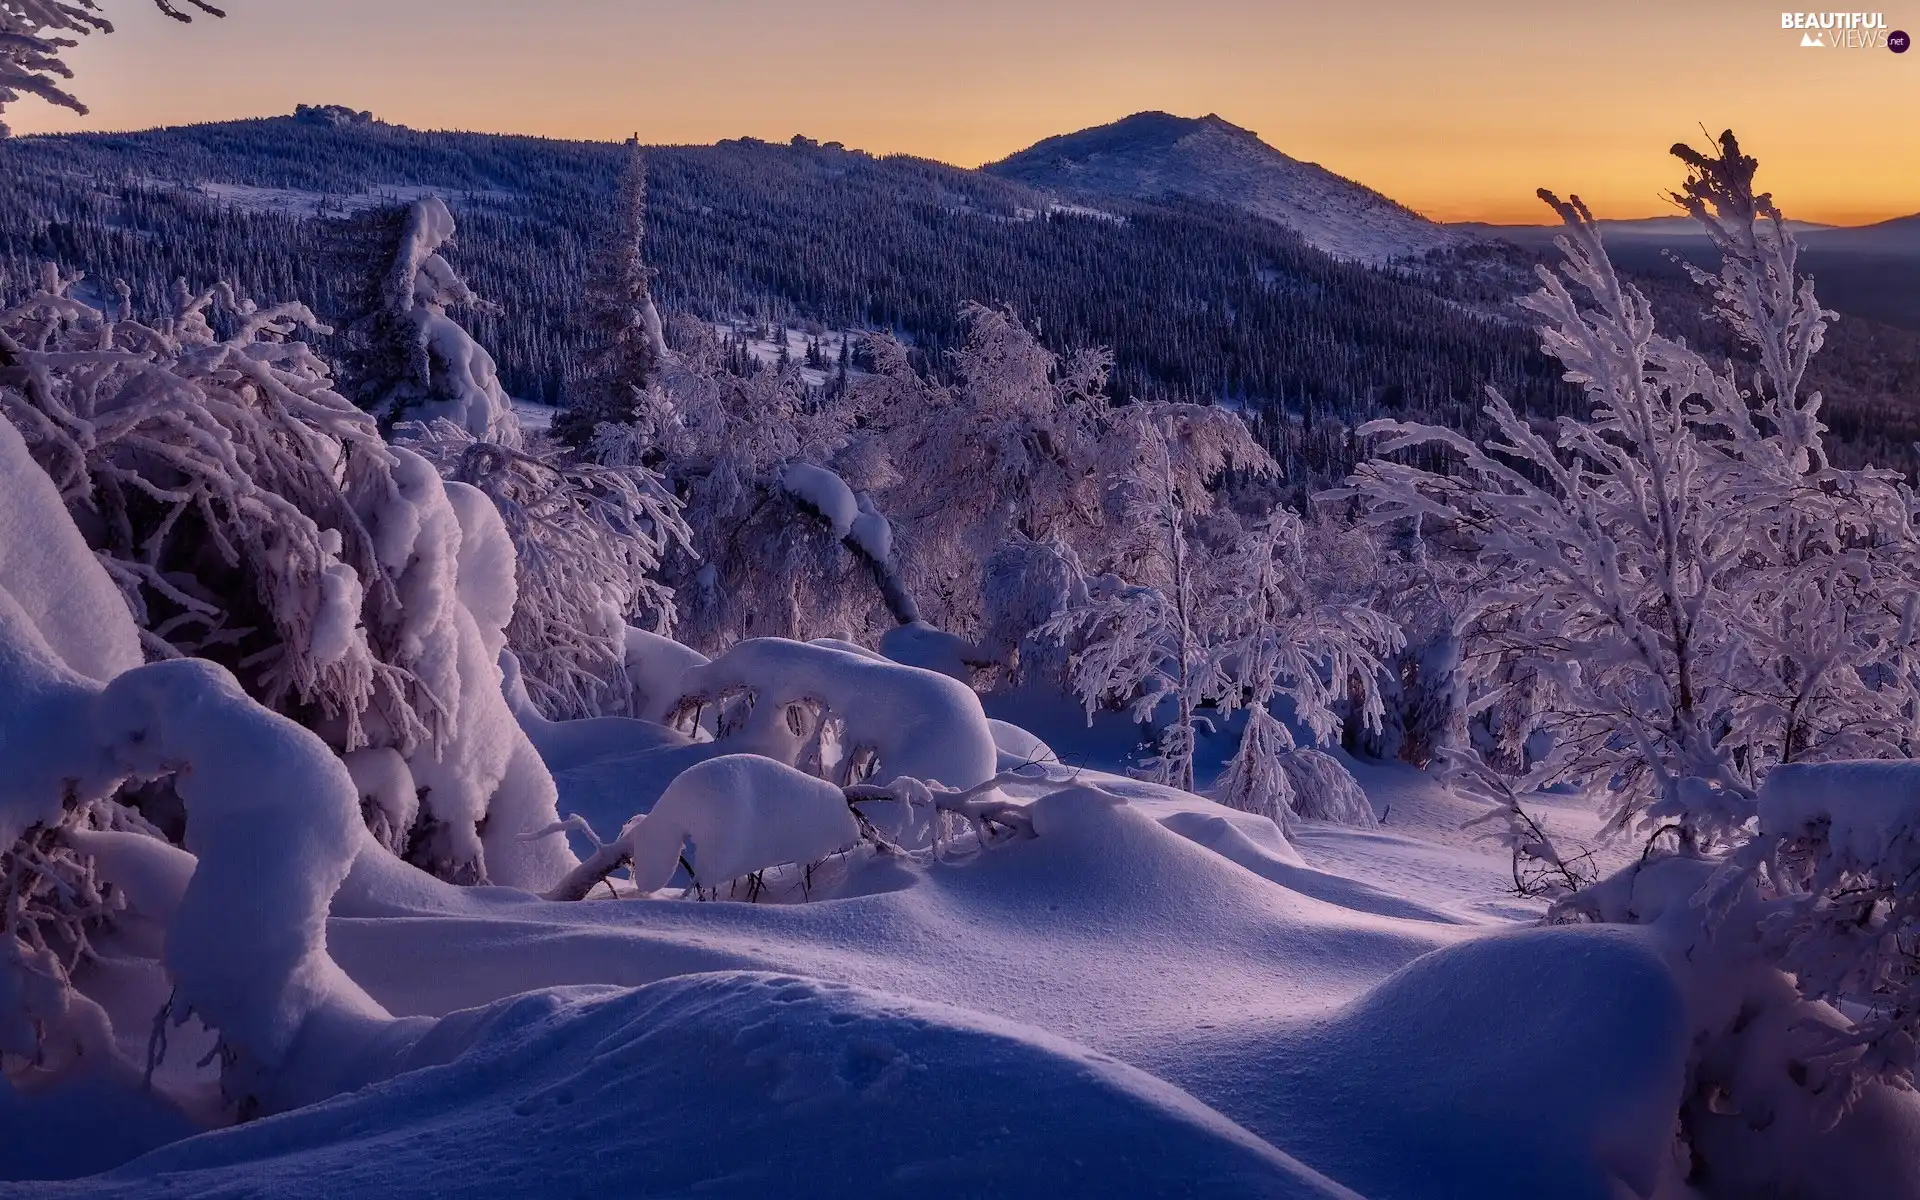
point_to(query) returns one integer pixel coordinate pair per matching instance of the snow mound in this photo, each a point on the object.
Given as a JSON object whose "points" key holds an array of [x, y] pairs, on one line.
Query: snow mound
{"points": [[741, 813], [918, 644], [1570, 1042], [918, 724], [734, 1084]]}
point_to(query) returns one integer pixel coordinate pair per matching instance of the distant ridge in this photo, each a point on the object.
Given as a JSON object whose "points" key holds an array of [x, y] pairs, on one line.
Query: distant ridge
{"points": [[1156, 156]]}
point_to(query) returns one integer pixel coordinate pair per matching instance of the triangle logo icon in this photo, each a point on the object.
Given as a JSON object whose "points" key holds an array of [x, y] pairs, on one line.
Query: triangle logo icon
{"points": [[1813, 40]]}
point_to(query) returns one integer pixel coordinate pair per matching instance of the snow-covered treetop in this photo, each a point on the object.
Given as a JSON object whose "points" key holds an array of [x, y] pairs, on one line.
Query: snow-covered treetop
{"points": [[406, 357]]}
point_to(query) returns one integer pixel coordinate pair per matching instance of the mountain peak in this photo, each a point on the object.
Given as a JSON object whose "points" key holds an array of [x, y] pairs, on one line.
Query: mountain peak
{"points": [[1157, 155], [1143, 131]]}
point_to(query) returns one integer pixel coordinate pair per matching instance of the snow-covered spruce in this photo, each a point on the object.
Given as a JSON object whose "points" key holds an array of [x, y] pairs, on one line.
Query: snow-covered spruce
{"points": [[407, 358], [616, 382]]}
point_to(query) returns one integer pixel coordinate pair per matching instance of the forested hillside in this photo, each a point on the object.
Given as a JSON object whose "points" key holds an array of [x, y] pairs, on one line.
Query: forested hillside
{"points": [[1197, 300]]}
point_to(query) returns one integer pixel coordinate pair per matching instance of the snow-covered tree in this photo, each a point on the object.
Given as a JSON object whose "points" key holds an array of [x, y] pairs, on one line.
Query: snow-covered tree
{"points": [[1223, 619], [405, 357], [35, 35], [615, 384], [767, 559], [1697, 612], [1692, 590], [588, 540], [1010, 449], [252, 515], [1284, 639]]}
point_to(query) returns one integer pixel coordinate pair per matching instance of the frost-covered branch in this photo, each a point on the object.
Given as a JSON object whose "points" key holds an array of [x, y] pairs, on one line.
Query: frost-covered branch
{"points": [[588, 541], [34, 38]]}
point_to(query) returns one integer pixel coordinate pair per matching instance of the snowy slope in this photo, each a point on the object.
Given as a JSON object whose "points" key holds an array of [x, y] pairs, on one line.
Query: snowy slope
{"points": [[657, 1092], [1155, 155], [1111, 1008]]}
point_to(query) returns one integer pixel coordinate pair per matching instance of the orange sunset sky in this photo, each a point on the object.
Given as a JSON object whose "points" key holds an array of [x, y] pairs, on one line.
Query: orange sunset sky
{"points": [[1459, 110]]}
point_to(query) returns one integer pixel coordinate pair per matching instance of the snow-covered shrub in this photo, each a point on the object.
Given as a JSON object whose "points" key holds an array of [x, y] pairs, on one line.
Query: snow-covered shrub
{"points": [[1324, 790], [615, 385], [254, 517], [841, 714], [1024, 584], [586, 542], [35, 35], [765, 561], [404, 357], [799, 496], [274, 824], [1010, 449], [1255, 780], [231, 492]]}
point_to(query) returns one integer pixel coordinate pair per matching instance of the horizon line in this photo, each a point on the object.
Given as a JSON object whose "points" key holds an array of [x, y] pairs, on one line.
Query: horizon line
{"points": [[1492, 213]]}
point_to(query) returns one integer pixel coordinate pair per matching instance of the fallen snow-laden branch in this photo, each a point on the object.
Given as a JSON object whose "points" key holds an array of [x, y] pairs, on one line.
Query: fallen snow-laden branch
{"points": [[860, 526], [895, 720], [992, 820], [742, 812], [745, 814]]}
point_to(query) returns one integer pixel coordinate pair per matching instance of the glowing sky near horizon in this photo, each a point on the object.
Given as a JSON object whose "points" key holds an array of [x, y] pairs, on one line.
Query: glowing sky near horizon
{"points": [[1458, 110]]}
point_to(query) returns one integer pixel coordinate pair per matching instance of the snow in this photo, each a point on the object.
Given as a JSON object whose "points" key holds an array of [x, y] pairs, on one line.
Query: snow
{"points": [[918, 644], [1152, 994], [268, 861], [855, 936], [764, 346], [742, 813], [1865, 812], [825, 492], [1096, 932], [46, 568], [839, 1090], [296, 203], [1151, 156], [534, 417], [654, 667], [920, 724], [466, 387], [871, 531]]}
